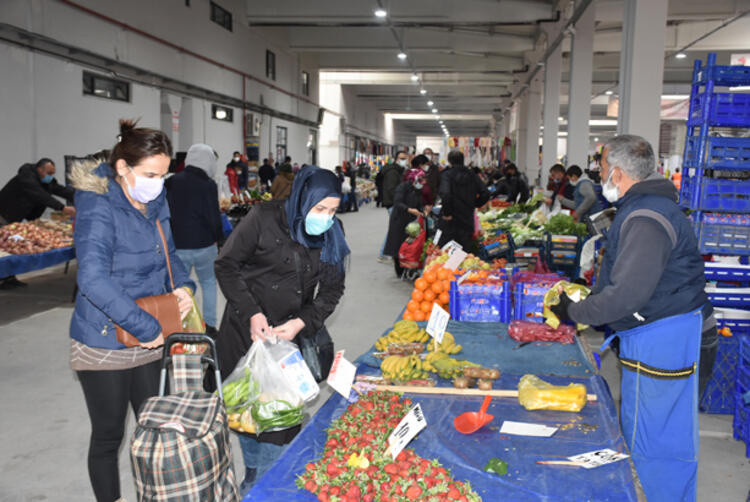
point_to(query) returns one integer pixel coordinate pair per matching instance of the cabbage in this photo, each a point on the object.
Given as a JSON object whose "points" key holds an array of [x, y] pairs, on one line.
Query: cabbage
{"points": [[413, 229]]}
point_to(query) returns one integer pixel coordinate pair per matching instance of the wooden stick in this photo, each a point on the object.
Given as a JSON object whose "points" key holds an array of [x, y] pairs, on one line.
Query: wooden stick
{"points": [[412, 389]]}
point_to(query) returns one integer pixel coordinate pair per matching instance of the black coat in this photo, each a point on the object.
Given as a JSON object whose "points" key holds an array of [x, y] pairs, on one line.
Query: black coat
{"points": [[256, 272], [462, 192], [267, 173], [392, 174], [194, 208], [25, 197], [406, 197]]}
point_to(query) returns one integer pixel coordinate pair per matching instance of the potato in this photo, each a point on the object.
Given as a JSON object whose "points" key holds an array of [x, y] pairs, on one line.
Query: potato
{"points": [[461, 382], [484, 384]]}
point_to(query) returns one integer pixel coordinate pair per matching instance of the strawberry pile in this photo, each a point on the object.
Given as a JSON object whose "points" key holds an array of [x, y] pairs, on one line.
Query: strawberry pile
{"points": [[355, 466]]}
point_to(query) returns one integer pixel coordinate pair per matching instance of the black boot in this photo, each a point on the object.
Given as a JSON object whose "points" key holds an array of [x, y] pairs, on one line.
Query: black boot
{"points": [[249, 480]]}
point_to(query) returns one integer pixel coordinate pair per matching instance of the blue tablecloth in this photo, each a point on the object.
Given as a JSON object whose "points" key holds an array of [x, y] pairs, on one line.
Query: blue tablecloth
{"points": [[22, 263], [595, 427]]}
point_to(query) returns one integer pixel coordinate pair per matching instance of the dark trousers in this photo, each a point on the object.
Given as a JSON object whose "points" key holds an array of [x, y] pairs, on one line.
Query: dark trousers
{"points": [[709, 346], [462, 234], [108, 394]]}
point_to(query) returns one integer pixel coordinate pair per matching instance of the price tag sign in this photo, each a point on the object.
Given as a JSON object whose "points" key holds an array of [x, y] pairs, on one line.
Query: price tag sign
{"points": [[438, 235], [341, 376], [597, 458], [450, 246], [457, 256], [405, 431], [437, 323]]}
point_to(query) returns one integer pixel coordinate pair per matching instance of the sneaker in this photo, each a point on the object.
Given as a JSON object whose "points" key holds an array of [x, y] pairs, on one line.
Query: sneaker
{"points": [[385, 259], [11, 283]]}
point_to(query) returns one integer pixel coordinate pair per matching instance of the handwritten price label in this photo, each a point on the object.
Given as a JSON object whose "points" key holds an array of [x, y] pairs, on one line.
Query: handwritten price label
{"points": [[437, 323], [341, 376], [407, 428]]}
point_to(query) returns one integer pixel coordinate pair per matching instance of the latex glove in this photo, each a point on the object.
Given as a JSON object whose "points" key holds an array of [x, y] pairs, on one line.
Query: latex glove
{"points": [[155, 343], [561, 309], [289, 329], [259, 328], [184, 301]]}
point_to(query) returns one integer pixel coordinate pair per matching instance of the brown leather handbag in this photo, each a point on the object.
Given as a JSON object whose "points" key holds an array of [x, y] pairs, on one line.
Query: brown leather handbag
{"points": [[165, 308]]}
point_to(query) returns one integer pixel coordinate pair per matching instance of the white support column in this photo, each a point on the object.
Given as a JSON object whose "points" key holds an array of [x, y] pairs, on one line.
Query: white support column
{"points": [[643, 36], [533, 123], [552, 71], [579, 107]]}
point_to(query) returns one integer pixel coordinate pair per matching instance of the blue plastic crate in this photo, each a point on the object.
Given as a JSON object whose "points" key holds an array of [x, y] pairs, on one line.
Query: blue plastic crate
{"points": [[745, 351], [724, 272], [480, 302], [724, 110], [718, 396], [743, 379], [713, 194], [724, 76], [729, 297], [720, 153], [722, 234], [741, 423], [528, 302]]}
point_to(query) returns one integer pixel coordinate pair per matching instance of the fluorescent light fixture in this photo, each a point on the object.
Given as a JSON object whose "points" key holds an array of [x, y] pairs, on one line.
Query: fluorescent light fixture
{"points": [[437, 117], [423, 91], [560, 119], [679, 96], [414, 77], [221, 114], [381, 13], [737, 88], [680, 55], [608, 93], [434, 110], [596, 139], [430, 103], [401, 55], [603, 122]]}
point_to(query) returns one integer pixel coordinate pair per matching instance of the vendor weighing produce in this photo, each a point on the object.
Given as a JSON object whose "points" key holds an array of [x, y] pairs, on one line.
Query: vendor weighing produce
{"points": [[650, 292]]}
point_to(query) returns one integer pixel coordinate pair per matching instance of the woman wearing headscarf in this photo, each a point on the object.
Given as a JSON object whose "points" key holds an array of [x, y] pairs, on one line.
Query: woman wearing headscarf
{"points": [[196, 222], [407, 207], [257, 273]]}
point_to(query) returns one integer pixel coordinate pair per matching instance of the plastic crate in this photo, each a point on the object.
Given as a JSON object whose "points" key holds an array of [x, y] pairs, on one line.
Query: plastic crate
{"points": [[724, 272], [723, 233], [527, 255], [563, 253], [720, 153], [724, 75], [741, 423], [497, 249], [729, 297], [743, 379], [724, 110], [713, 194], [528, 302], [719, 394], [480, 302], [744, 355]]}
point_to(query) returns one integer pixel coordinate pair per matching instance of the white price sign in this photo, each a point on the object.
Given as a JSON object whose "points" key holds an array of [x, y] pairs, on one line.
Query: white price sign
{"points": [[450, 246], [341, 376], [437, 323], [456, 258], [438, 235], [407, 428], [597, 458]]}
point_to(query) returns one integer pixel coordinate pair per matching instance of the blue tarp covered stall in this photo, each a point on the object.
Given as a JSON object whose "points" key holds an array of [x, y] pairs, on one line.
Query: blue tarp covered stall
{"points": [[595, 427], [21, 263]]}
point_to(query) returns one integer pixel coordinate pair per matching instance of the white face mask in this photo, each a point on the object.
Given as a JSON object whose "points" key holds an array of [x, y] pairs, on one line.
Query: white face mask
{"points": [[418, 186], [610, 190], [145, 189], [236, 159], [426, 168], [403, 163]]}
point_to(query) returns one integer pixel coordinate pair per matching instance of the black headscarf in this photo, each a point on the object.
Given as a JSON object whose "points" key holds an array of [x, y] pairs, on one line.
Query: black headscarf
{"points": [[311, 185]]}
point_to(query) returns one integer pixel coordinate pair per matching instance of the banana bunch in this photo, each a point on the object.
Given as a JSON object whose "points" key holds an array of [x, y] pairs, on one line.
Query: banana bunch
{"points": [[403, 368], [444, 365], [402, 332], [447, 346]]}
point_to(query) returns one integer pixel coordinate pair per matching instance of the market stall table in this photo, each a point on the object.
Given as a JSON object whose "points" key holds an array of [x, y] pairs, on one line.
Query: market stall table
{"points": [[595, 427], [16, 264]]}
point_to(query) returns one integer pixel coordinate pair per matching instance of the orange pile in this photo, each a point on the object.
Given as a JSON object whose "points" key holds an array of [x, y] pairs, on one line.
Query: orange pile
{"points": [[433, 287]]}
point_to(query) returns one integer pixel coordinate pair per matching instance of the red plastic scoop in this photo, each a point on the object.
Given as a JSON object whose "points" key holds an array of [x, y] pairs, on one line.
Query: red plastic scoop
{"points": [[472, 421]]}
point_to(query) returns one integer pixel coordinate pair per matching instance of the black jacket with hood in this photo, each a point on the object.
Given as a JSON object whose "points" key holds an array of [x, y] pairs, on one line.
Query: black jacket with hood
{"points": [[25, 197]]}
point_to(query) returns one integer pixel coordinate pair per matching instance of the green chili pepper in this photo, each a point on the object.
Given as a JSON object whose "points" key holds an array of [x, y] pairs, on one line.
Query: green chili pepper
{"points": [[496, 466]]}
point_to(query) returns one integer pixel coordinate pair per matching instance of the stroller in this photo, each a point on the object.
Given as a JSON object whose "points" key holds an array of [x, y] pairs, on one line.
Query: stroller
{"points": [[180, 448]]}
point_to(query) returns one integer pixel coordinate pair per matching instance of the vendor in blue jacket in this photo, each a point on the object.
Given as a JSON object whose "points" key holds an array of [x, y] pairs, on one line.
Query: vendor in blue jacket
{"points": [[120, 259], [650, 293]]}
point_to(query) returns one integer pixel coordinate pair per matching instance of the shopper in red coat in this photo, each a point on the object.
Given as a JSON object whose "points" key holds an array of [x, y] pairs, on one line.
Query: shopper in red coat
{"points": [[231, 175]]}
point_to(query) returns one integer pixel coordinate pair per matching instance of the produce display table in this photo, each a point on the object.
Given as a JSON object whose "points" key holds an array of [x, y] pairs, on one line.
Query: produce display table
{"points": [[22, 263], [594, 428]]}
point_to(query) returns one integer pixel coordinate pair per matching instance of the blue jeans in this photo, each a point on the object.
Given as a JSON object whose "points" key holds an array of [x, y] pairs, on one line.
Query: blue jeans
{"points": [[259, 456], [203, 261], [382, 248]]}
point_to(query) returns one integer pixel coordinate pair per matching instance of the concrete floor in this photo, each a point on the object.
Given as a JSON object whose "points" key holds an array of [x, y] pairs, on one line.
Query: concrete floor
{"points": [[44, 427]]}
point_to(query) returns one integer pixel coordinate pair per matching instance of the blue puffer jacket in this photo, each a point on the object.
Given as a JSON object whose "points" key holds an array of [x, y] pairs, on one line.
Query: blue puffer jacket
{"points": [[120, 258]]}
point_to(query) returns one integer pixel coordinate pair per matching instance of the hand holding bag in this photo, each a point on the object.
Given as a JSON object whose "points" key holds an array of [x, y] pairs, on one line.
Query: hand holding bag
{"points": [[165, 308]]}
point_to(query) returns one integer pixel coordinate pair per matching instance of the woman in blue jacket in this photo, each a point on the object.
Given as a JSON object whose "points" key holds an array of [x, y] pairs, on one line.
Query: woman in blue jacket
{"points": [[120, 259]]}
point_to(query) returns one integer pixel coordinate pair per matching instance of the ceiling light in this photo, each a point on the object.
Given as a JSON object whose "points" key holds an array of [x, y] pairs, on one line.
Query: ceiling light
{"points": [[401, 55], [414, 77], [680, 55], [434, 110], [381, 13], [423, 91], [608, 92], [596, 139], [430, 103], [560, 119]]}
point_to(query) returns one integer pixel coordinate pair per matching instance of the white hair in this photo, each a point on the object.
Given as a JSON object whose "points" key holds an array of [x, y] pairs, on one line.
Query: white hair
{"points": [[633, 154]]}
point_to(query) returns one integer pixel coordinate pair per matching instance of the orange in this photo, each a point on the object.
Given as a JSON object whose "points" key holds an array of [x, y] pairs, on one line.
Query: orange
{"points": [[437, 287], [417, 295], [443, 274], [445, 298], [430, 276], [419, 316], [447, 285], [412, 306], [421, 284], [426, 307], [429, 295], [408, 316]]}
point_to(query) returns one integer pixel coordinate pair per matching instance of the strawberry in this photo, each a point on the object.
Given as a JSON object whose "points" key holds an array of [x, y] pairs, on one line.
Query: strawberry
{"points": [[332, 470], [391, 468], [401, 456], [354, 492], [368, 498], [310, 486], [413, 492], [453, 493], [335, 491]]}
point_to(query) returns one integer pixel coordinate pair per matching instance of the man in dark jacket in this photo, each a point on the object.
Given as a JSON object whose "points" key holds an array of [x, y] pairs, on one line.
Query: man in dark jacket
{"points": [[240, 168], [30, 192], [433, 173], [392, 175], [196, 222], [650, 293], [461, 192], [267, 173], [512, 185]]}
